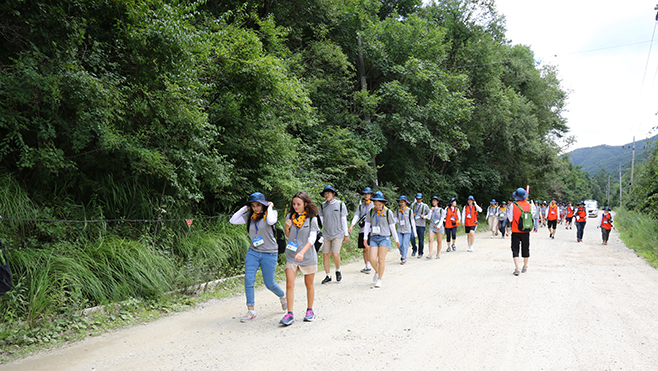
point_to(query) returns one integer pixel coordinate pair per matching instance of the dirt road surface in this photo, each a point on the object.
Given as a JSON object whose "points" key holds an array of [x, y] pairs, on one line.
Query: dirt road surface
{"points": [[580, 306]]}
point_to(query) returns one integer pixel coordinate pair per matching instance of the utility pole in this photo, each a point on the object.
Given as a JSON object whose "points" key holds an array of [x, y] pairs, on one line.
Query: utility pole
{"points": [[607, 191], [632, 167], [620, 184], [364, 88]]}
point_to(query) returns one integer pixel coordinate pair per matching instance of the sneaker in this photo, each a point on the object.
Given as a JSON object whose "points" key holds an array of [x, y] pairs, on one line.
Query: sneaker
{"points": [[310, 316], [420, 256], [448, 249], [287, 320], [470, 249], [378, 283], [429, 256], [413, 253], [326, 279], [366, 270], [496, 233], [250, 316], [516, 272], [453, 247], [375, 277], [403, 261], [437, 256], [339, 276], [524, 269], [284, 303], [492, 236]]}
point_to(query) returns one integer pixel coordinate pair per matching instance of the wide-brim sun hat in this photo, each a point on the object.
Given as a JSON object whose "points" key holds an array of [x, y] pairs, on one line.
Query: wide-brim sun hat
{"points": [[453, 199], [606, 208], [470, 198], [436, 198], [519, 194], [328, 188], [257, 197], [379, 196], [504, 203], [367, 190], [403, 198], [419, 195], [493, 201], [581, 203]]}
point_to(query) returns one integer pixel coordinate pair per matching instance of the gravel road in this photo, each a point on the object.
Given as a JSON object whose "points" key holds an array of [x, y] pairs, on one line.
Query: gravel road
{"points": [[580, 306]]}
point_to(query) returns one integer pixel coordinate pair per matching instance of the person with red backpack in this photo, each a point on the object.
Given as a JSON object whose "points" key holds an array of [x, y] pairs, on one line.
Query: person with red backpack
{"points": [[581, 220], [520, 237], [605, 223], [470, 218]]}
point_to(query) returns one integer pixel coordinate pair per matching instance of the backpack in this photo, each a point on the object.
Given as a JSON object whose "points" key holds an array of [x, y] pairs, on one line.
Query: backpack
{"points": [[525, 223], [279, 236], [387, 214], [5, 272]]}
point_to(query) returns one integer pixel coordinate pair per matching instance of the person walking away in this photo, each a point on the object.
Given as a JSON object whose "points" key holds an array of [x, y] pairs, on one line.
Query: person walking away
{"points": [[301, 228], [333, 215], [520, 238], [605, 223], [492, 210], [581, 220], [470, 218], [569, 215], [420, 210], [406, 227], [451, 224], [260, 216], [360, 218], [436, 217], [380, 222], [535, 216], [552, 216], [502, 219]]}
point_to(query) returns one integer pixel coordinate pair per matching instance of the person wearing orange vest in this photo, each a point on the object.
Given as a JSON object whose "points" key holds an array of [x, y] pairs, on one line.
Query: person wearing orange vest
{"points": [[581, 220], [605, 223], [451, 223], [552, 216], [470, 218], [569, 217], [520, 239]]}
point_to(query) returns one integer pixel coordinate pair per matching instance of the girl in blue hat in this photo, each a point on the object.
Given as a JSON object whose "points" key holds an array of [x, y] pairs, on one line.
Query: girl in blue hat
{"points": [[380, 222], [492, 212], [260, 217], [502, 219]]}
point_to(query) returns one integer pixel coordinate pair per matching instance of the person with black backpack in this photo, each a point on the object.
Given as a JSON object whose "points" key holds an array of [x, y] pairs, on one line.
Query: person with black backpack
{"points": [[520, 217], [260, 218], [302, 229]]}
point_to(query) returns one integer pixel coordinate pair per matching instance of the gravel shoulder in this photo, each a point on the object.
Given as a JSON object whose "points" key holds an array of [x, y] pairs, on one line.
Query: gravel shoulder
{"points": [[579, 306]]}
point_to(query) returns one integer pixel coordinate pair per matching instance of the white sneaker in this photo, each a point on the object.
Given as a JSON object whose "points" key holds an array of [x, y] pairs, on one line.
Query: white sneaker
{"points": [[375, 278], [378, 283], [470, 249], [250, 316], [284, 303]]}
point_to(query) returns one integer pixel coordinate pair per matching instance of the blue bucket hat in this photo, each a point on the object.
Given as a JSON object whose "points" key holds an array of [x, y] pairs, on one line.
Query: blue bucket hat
{"points": [[367, 190], [606, 208], [419, 195], [379, 196], [493, 201], [257, 197], [470, 198], [519, 194], [403, 198], [328, 188], [452, 199], [504, 203]]}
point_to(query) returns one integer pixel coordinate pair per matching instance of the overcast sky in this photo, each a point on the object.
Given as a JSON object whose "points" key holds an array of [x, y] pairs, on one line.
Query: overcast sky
{"points": [[600, 49]]}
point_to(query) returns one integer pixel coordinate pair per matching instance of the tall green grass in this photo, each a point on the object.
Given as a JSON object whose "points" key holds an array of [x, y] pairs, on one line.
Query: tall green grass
{"points": [[640, 233]]}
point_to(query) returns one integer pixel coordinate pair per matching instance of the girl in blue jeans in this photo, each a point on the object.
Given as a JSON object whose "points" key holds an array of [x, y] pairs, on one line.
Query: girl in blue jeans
{"points": [[260, 217], [406, 227]]}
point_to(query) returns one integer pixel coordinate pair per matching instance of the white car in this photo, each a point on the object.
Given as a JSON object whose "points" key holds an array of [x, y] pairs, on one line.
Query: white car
{"points": [[592, 208]]}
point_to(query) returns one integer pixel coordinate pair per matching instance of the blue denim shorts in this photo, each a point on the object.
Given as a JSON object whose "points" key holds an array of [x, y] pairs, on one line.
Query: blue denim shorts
{"points": [[380, 241]]}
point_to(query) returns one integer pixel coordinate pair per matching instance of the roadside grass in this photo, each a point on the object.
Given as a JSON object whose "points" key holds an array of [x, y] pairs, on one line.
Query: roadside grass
{"points": [[640, 233]]}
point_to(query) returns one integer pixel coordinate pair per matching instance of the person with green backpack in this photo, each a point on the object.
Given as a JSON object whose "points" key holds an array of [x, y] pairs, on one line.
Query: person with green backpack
{"points": [[520, 217]]}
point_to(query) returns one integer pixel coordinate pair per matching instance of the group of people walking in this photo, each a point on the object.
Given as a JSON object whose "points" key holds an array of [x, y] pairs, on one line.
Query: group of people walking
{"points": [[305, 223]]}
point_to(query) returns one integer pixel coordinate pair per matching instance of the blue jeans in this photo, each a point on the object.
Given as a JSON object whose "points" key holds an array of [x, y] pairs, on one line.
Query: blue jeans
{"points": [[380, 241], [267, 264], [420, 233], [580, 228], [535, 223], [404, 244]]}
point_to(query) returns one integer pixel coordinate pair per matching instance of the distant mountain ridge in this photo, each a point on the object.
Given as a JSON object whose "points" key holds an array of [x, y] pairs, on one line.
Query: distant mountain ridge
{"points": [[593, 159]]}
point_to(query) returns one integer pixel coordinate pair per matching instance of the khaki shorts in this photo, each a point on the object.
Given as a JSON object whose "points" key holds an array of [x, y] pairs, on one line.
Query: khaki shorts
{"points": [[305, 269], [332, 245]]}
